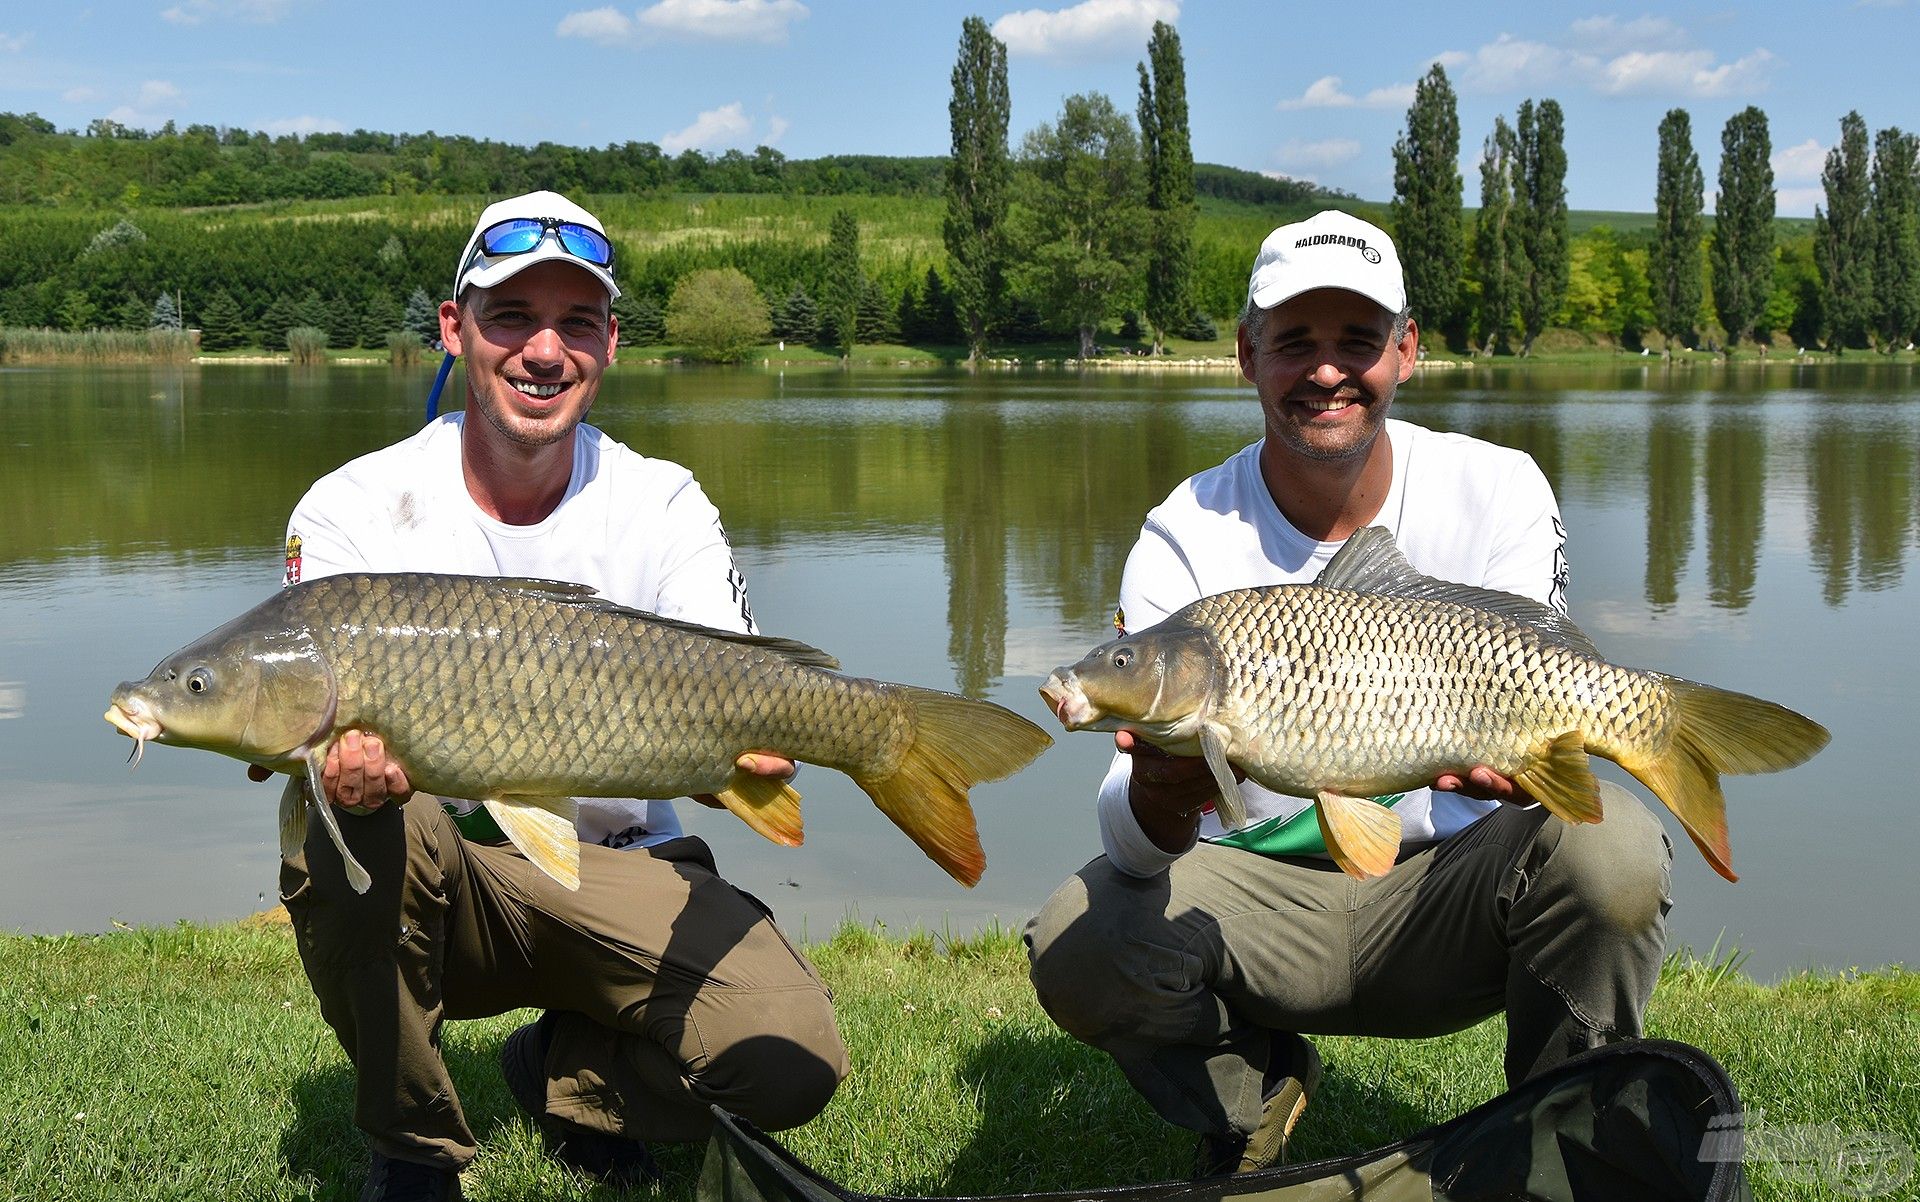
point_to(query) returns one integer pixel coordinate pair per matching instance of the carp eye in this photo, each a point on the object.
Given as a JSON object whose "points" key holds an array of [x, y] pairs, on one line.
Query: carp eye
{"points": [[199, 680], [1123, 657]]}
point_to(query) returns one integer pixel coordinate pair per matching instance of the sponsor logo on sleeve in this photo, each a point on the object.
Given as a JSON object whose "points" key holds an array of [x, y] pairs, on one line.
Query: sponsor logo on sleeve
{"points": [[292, 573]]}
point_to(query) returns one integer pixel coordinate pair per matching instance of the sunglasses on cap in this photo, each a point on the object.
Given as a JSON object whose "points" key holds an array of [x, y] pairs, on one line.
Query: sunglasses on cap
{"points": [[518, 235]]}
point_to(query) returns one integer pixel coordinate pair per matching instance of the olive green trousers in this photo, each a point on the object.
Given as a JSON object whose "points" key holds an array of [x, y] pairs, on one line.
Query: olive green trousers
{"points": [[677, 991], [1185, 978]]}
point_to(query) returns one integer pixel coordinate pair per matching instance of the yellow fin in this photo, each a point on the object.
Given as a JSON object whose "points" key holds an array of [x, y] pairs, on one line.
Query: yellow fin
{"points": [[293, 817], [357, 876], [1558, 776], [958, 742], [765, 803], [542, 828], [1720, 731], [1362, 836], [1230, 808]]}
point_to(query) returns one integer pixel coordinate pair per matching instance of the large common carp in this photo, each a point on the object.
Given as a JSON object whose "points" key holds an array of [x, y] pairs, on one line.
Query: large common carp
{"points": [[1376, 679], [523, 694]]}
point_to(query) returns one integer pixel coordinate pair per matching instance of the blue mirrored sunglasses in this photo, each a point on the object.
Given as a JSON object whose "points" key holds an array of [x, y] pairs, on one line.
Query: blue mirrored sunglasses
{"points": [[518, 235]]}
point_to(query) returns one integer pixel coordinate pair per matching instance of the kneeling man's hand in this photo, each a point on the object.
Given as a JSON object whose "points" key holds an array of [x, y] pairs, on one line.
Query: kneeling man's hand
{"points": [[760, 763], [1483, 784]]}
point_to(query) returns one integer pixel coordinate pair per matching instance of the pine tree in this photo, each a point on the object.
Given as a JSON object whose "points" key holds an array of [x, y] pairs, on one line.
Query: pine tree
{"points": [[1743, 225], [380, 316], [643, 322], [166, 313], [798, 319], [1896, 229], [840, 297], [276, 321], [221, 326], [1167, 150], [907, 319], [1427, 204], [979, 179], [938, 323], [422, 316], [1499, 257], [873, 318], [132, 313], [1843, 241], [1540, 186], [1673, 261]]}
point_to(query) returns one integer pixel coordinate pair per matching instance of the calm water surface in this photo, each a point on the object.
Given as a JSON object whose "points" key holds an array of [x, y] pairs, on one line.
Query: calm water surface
{"points": [[1751, 529]]}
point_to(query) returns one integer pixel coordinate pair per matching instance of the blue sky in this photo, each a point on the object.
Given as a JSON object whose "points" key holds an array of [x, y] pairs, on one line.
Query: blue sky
{"points": [[1311, 90]]}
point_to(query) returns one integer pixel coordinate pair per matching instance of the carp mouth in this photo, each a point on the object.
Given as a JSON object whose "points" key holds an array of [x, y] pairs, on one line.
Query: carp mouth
{"points": [[132, 719], [1068, 701]]}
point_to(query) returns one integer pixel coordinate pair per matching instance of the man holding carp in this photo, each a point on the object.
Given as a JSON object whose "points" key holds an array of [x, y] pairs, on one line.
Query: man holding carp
{"points": [[1195, 951], [667, 990]]}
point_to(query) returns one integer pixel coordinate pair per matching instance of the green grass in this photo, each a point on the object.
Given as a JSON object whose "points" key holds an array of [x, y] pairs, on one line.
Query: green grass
{"points": [[191, 1062], [18, 345]]}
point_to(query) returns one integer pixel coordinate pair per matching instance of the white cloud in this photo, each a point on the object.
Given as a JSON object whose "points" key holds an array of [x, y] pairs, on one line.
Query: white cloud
{"points": [[1802, 162], [1647, 56], [1326, 93], [12, 43], [80, 95], [608, 26], [196, 12], [302, 126], [724, 126], [1327, 152], [156, 92], [1090, 29], [716, 20], [1798, 202], [776, 129]]}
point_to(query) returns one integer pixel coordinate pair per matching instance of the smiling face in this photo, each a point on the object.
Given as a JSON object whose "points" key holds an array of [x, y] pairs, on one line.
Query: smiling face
{"points": [[1326, 364], [535, 347]]}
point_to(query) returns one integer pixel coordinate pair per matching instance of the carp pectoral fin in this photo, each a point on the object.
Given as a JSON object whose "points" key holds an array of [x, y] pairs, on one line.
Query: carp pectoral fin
{"points": [[767, 804], [317, 798], [542, 828], [1558, 776], [1214, 741], [293, 818], [1361, 835]]}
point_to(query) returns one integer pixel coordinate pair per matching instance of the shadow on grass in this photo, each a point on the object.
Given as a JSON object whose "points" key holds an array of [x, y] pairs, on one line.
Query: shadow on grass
{"points": [[1058, 1115]]}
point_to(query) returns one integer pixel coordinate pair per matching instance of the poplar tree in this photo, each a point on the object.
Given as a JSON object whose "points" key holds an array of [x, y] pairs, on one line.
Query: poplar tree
{"points": [[1499, 259], [1083, 213], [840, 295], [1674, 258], [1426, 202], [1842, 240], [1540, 187], [1896, 231], [1168, 153], [1743, 225], [979, 179]]}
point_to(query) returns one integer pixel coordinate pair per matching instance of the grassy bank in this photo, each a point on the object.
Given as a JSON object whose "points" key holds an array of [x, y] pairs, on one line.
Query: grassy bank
{"points": [[191, 1062], [94, 346]]}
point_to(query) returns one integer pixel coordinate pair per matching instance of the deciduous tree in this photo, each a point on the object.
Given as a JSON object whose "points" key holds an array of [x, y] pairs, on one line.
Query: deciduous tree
{"points": [[1499, 256], [1540, 186], [718, 314], [1674, 258], [979, 176], [1083, 215], [1167, 151], [1896, 235], [1743, 225], [1843, 239], [1427, 205]]}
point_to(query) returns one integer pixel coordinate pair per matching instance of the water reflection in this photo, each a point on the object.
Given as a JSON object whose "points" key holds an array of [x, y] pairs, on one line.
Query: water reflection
{"points": [[1718, 519]]}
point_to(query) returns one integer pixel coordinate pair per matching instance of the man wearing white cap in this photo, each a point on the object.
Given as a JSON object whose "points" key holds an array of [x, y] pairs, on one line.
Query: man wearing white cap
{"points": [[667, 990], [1196, 956]]}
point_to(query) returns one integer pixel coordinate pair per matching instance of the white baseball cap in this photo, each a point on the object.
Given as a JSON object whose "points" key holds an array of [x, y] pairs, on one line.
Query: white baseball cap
{"points": [[480, 270], [1330, 249]]}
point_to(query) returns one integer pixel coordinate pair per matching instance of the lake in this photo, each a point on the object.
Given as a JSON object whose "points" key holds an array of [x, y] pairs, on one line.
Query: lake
{"points": [[1748, 527]]}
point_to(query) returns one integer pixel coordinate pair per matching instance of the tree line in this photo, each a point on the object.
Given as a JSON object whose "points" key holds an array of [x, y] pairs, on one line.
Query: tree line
{"points": [[1494, 283]]}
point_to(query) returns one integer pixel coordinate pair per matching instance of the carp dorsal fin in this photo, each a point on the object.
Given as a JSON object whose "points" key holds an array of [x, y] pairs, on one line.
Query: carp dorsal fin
{"points": [[1370, 562], [563, 593]]}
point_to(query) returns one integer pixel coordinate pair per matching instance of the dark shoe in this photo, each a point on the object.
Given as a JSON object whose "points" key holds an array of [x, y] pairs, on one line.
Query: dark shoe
{"points": [[625, 1163], [1291, 1082], [390, 1180]]}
